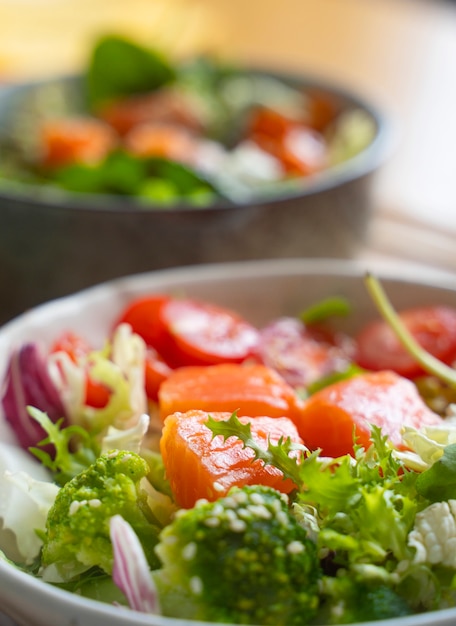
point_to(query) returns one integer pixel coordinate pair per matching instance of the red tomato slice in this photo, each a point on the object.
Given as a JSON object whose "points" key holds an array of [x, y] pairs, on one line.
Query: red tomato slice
{"points": [[156, 371], [434, 328], [97, 394], [205, 334], [74, 345], [143, 315]]}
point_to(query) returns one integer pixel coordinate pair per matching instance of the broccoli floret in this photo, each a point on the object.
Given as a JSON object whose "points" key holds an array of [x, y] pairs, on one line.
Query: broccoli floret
{"points": [[354, 601], [77, 530], [242, 559]]}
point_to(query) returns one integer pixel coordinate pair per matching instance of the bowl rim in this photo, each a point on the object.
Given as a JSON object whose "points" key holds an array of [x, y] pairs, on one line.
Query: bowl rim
{"points": [[17, 583], [362, 164], [81, 608]]}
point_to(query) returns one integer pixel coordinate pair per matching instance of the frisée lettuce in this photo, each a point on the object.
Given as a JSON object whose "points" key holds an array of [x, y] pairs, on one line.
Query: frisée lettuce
{"points": [[367, 535]]}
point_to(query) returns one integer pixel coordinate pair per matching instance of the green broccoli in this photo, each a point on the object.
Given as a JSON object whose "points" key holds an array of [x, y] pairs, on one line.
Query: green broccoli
{"points": [[242, 559], [356, 601], [77, 529]]}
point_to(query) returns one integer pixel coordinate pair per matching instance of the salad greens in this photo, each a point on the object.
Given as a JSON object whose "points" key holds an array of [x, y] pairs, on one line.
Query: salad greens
{"points": [[164, 132], [365, 536], [119, 67], [429, 363]]}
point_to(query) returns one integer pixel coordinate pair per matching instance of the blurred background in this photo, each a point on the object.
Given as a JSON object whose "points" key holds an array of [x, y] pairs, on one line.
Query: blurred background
{"points": [[401, 54]]}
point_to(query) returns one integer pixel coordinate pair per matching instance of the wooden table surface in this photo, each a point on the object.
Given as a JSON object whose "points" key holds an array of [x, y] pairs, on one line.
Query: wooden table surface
{"points": [[401, 54]]}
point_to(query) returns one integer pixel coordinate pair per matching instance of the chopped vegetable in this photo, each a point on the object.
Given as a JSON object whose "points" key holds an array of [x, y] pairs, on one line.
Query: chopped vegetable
{"points": [[411, 342], [131, 570], [143, 315], [322, 310], [360, 511], [121, 67], [303, 354], [243, 559], [96, 394], [77, 530], [438, 482], [157, 371], [119, 368], [434, 535], [327, 501], [26, 497], [28, 383], [200, 333], [234, 133]]}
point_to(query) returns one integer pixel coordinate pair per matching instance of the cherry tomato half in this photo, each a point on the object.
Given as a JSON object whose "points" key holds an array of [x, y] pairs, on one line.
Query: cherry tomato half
{"points": [[97, 394], [71, 343], [143, 315], [156, 371], [434, 328], [205, 334]]}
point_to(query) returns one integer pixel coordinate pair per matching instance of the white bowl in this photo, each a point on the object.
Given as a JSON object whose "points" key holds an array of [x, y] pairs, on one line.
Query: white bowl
{"points": [[260, 290]]}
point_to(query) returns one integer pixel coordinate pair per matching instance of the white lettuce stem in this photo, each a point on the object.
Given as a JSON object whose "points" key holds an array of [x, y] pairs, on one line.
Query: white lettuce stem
{"points": [[429, 363]]}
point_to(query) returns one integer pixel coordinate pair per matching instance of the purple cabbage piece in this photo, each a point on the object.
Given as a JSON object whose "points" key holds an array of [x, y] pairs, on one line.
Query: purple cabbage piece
{"points": [[28, 383], [131, 571]]}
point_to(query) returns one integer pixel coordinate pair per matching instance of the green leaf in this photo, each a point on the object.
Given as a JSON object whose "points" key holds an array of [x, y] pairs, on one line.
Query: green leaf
{"points": [[331, 488], [429, 363], [119, 67], [159, 192], [80, 178], [68, 459], [328, 307], [334, 377], [438, 483], [185, 179], [123, 173], [278, 455]]}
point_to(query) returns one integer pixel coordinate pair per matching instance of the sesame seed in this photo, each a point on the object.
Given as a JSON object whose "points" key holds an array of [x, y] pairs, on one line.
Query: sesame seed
{"points": [[230, 515], [259, 510], [201, 502], [295, 547], [238, 525], [113, 454], [257, 498], [196, 585], [276, 505], [189, 551], [94, 503], [240, 497], [244, 513], [230, 502], [282, 518], [170, 539], [126, 458], [217, 509], [218, 487], [212, 522], [75, 506]]}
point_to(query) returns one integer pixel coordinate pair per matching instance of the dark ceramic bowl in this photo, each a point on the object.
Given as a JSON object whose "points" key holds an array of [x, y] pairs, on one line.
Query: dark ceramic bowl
{"points": [[53, 243]]}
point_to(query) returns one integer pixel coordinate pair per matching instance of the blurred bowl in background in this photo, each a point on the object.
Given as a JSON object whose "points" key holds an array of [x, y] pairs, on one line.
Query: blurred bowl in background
{"points": [[54, 242]]}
